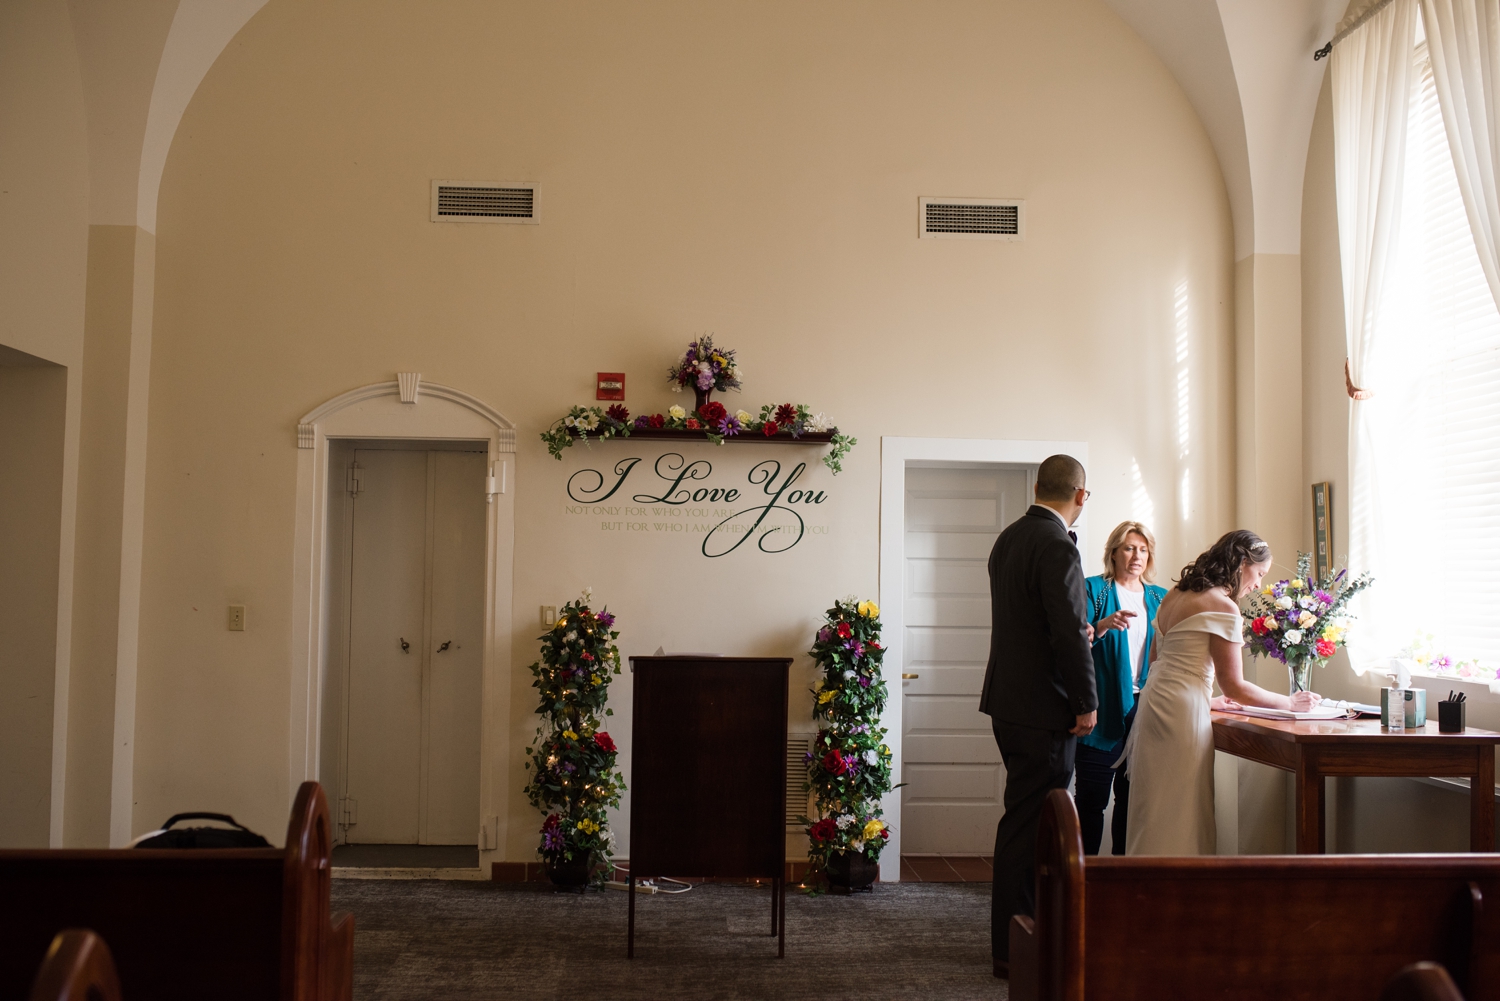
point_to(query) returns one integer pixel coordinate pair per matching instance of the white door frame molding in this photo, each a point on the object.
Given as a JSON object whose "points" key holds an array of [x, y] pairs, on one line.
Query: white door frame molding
{"points": [[896, 454], [404, 408]]}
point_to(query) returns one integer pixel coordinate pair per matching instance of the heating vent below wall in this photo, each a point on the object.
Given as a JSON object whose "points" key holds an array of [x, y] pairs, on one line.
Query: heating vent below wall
{"points": [[972, 219], [798, 801], [475, 201]]}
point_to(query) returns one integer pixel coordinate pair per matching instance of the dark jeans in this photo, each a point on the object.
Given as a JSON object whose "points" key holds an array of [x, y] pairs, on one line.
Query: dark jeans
{"points": [[1091, 793], [1036, 762]]}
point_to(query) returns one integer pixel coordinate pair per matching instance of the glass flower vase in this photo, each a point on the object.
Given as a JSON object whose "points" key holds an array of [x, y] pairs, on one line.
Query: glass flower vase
{"points": [[1299, 671], [704, 396]]}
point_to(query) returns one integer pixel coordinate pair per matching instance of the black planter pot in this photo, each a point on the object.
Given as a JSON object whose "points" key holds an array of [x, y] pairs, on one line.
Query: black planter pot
{"points": [[572, 874], [850, 872]]}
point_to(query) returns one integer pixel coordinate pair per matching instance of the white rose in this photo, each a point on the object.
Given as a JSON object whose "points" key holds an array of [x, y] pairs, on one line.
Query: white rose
{"points": [[1283, 602], [744, 417], [1294, 636], [676, 412]]}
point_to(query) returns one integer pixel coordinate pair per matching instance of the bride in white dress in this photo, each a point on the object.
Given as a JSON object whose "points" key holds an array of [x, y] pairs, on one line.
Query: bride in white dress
{"points": [[1170, 752]]}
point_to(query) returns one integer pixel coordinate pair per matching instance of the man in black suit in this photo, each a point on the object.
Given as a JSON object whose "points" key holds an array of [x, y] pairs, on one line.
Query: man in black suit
{"points": [[1039, 686]]}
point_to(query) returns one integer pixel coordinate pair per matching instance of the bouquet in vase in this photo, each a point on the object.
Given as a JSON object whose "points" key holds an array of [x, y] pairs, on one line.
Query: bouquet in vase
{"points": [[1301, 622]]}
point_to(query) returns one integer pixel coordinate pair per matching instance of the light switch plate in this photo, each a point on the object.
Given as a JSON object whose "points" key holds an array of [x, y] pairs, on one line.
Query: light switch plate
{"points": [[237, 618], [549, 616]]}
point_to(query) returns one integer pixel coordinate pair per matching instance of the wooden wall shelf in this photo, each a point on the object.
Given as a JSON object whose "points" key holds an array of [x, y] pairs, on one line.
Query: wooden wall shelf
{"points": [[675, 434]]}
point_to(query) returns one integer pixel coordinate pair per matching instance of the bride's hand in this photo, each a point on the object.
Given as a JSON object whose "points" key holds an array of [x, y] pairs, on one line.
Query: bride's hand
{"points": [[1305, 701], [1223, 702]]}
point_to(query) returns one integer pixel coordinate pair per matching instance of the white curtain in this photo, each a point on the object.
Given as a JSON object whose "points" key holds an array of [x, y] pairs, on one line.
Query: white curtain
{"points": [[1463, 37], [1372, 74]]}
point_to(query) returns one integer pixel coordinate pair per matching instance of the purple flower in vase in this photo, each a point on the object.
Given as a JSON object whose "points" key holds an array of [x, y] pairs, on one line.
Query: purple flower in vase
{"points": [[864, 682], [705, 380], [825, 634], [606, 619]]}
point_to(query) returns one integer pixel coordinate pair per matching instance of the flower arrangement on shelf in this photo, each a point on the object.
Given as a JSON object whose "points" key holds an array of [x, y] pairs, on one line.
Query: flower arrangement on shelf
{"points": [[849, 768], [705, 368], [1301, 622], [572, 760], [712, 419]]}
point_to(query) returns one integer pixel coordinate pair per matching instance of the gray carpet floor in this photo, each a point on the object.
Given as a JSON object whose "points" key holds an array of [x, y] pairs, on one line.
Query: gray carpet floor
{"points": [[433, 939], [407, 856]]}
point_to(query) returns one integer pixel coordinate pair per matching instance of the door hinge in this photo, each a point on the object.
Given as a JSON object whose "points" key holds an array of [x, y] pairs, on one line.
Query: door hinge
{"points": [[353, 484], [347, 811]]}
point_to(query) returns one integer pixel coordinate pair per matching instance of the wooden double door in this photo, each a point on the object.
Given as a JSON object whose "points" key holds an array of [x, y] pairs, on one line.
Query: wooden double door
{"points": [[415, 642]]}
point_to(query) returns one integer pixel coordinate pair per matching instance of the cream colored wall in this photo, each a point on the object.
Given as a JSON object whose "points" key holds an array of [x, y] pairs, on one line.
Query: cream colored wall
{"points": [[33, 414], [43, 252], [747, 169]]}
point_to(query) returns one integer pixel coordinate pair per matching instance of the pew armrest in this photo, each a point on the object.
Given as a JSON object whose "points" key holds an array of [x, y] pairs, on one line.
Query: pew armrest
{"points": [[1023, 961], [338, 958]]}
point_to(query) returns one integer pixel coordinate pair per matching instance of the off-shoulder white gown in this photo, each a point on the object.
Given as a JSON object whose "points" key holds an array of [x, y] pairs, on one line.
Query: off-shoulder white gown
{"points": [[1170, 753]]}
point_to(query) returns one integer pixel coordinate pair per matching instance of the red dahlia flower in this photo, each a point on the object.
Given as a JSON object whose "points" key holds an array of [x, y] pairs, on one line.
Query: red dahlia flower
{"points": [[834, 762], [845, 631], [1325, 648], [657, 421], [786, 414], [770, 428], [618, 412], [712, 412], [605, 742]]}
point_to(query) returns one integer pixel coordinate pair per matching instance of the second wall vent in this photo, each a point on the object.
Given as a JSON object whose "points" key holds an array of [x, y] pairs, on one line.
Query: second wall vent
{"points": [[483, 201], [973, 219]]}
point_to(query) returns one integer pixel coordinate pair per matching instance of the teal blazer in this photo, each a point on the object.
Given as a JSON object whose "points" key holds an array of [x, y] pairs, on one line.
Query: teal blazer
{"points": [[1112, 671]]}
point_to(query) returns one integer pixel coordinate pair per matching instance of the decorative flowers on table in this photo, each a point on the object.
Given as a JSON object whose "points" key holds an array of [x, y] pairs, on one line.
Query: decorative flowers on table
{"points": [[572, 760], [1302, 621], [849, 768], [705, 368]]}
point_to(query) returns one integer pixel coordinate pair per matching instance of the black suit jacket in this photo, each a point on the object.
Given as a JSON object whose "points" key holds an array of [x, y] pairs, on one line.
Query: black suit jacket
{"points": [[1041, 669]]}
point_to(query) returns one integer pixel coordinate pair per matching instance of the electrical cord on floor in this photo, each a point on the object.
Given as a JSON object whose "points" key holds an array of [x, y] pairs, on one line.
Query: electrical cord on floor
{"points": [[614, 869]]}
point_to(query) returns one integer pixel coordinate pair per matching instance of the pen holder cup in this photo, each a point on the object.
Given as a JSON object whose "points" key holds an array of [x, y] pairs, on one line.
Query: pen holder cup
{"points": [[1451, 717]]}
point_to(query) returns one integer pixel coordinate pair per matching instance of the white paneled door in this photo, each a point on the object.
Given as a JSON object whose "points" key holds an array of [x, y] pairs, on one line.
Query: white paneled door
{"points": [[416, 600], [952, 800]]}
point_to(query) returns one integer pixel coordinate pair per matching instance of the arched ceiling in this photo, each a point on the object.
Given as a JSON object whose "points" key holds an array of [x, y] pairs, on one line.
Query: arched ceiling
{"points": [[1247, 69]]}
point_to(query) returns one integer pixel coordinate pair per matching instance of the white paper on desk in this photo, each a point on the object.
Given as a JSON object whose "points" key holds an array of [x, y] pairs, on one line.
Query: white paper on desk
{"points": [[1265, 713]]}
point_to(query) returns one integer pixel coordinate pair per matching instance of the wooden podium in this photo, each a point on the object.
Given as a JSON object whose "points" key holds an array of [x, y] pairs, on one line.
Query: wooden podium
{"points": [[708, 773]]}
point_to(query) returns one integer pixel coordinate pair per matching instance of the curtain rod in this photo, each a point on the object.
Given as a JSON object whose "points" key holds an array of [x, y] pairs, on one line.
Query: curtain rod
{"points": [[1365, 15]]}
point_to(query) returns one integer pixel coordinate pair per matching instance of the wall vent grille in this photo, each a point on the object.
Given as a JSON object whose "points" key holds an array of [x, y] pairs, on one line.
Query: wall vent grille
{"points": [[798, 800], [483, 201], [973, 219]]}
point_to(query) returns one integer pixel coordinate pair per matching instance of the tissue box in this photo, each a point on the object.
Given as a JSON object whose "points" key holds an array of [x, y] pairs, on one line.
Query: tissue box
{"points": [[1416, 707]]}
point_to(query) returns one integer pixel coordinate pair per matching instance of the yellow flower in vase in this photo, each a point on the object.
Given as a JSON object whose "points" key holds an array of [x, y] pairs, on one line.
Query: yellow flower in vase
{"points": [[826, 696], [868, 609], [872, 829]]}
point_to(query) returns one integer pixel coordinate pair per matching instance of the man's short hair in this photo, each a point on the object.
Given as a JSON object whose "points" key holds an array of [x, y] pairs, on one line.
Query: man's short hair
{"points": [[1058, 478]]}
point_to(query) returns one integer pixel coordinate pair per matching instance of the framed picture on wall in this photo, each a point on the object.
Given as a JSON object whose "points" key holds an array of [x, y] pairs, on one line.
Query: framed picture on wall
{"points": [[1322, 529]]}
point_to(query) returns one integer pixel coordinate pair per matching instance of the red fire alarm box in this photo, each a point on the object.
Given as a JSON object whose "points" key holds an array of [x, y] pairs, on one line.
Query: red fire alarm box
{"points": [[611, 386]]}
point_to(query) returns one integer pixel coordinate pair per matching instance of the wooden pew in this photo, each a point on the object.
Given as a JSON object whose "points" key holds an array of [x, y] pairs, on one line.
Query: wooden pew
{"points": [[240, 924], [1422, 982], [1233, 928], [78, 967]]}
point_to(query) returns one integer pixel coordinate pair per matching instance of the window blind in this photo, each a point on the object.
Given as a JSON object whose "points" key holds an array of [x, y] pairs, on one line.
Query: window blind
{"points": [[1437, 433]]}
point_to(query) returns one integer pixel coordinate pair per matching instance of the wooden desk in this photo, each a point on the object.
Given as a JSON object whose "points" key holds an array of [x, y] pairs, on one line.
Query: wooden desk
{"points": [[708, 774], [1313, 750]]}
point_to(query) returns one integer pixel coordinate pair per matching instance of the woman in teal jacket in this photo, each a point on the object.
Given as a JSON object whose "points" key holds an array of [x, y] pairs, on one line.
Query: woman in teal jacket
{"points": [[1122, 607]]}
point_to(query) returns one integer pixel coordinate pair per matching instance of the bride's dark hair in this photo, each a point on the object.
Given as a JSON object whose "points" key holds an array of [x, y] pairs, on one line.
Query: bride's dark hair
{"points": [[1219, 565]]}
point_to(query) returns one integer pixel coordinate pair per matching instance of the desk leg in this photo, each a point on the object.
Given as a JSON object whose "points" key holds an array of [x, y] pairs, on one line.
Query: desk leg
{"points": [[1482, 803], [1310, 812], [630, 936], [780, 892], [774, 916]]}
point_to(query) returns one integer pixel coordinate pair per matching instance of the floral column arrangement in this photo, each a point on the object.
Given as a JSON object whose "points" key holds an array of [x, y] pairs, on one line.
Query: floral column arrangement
{"points": [[572, 759], [849, 768]]}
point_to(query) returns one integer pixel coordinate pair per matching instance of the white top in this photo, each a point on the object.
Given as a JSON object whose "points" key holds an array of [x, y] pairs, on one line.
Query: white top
{"points": [[1135, 601]]}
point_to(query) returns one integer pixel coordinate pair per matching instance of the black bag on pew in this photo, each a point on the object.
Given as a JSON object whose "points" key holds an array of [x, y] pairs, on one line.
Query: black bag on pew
{"points": [[234, 836]]}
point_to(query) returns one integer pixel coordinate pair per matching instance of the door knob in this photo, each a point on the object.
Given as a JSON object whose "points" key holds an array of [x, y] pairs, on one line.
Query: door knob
{"points": [[405, 646], [908, 677], [446, 645]]}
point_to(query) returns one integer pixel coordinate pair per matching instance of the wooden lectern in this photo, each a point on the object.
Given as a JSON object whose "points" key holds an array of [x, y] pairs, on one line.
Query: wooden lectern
{"points": [[708, 773]]}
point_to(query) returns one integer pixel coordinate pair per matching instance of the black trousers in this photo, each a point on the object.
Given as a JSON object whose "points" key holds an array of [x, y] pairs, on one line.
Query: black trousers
{"points": [[1091, 794], [1036, 762]]}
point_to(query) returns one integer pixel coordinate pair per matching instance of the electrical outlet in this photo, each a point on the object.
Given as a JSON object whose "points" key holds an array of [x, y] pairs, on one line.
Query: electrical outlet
{"points": [[549, 616], [237, 618]]}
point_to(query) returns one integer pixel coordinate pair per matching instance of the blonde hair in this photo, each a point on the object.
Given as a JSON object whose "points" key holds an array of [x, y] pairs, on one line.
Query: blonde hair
{"points": [[1117, 539]]}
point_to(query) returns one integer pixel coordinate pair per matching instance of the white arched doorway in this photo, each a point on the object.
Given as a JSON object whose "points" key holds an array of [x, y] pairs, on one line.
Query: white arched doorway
{"points": [[405, 408]]}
